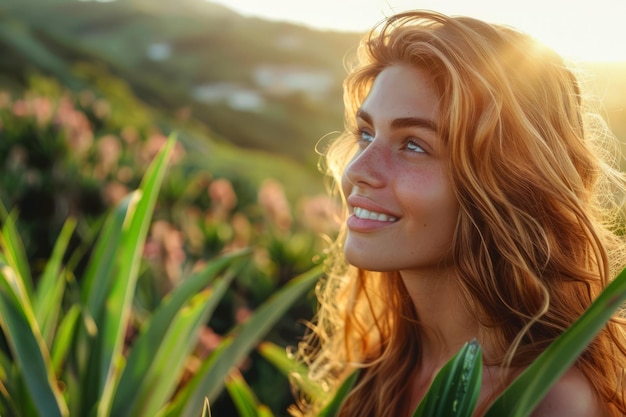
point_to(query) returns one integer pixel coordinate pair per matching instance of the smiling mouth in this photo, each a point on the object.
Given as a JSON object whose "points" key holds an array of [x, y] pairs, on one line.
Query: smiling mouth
{"points": [[362, 213]]}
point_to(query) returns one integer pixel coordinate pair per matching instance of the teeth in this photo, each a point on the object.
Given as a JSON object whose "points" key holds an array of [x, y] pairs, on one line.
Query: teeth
{"points": [[361, 213]]}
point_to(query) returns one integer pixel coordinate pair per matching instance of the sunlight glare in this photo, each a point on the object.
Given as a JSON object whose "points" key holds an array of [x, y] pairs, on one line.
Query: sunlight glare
{"points": [[582, 31]]}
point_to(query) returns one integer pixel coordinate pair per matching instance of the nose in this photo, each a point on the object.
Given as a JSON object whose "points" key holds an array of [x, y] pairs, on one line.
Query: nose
{"points": [[368, 167]]}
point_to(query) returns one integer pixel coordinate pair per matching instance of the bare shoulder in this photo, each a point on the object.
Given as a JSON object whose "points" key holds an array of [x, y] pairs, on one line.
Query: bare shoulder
{"points": [[571, 396]]}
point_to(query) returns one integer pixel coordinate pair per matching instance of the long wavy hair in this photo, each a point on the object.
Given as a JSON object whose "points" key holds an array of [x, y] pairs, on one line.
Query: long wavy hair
{"points": [[539, 229]]}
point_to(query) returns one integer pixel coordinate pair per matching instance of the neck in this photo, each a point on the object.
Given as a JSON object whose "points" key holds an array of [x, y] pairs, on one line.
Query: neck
{"points": [[442, 313]]}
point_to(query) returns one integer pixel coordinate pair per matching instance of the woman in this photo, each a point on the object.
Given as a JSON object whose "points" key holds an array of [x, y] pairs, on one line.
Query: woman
{"points": [[478, 205]]}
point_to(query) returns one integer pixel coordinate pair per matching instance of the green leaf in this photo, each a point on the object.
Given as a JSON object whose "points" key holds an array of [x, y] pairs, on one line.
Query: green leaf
{"points": [[455, 389], [118, 303], [244, 399], [209, 380], [264, 411], [171, 357], [101, 266], [527, 391], [28, 348], [333, 407], [12, 247], [51, 286], [291, 368], [141, 378], [63, 337]]}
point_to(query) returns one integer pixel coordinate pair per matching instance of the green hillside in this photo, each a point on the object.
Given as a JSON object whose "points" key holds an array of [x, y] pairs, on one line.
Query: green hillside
{"points": [[202, 46], [204, 59]]}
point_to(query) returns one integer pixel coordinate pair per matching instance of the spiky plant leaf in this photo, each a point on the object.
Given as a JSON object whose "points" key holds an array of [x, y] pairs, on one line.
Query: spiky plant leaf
{"points": [[454, 391], [525, 393], [28, 347], [209, 380]]}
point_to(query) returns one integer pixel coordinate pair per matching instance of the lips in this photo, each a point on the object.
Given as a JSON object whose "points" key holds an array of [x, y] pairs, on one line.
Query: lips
{"points": [[365, 209]]}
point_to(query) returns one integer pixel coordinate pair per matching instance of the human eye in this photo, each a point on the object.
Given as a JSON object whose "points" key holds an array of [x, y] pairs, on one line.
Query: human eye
{"points": [[363, 136], [413, 145]]}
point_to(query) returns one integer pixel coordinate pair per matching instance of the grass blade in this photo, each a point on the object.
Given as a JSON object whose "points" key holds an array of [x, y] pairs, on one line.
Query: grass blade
{"points": [[28, 348], [454, 391], [49, 292], [209, 380], [264, 411], [333, 407], [525, 393], [291, 368], [96, 285], [64, 335], [13, 248], [101, 266], [118, 303], [170, 359], [134, 384], [244, 399]]}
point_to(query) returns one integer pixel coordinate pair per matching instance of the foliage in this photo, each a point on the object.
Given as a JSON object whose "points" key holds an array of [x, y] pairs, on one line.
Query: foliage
{"points": [[64, 155], [69, 351], [208, 45], [528, 389], [454, 391]]}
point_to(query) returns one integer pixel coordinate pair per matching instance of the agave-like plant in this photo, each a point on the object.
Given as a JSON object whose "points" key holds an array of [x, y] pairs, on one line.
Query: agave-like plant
{"points": [[65, 351], [455, 389]]}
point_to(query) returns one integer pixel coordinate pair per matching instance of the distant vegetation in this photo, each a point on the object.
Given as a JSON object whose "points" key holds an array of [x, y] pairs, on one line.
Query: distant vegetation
{"points": [[168, 51], [165, 50]]}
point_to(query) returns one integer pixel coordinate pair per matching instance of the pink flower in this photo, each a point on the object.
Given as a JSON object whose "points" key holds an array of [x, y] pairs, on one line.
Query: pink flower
{"points": [[125, 174], [242, 232], [20, 108], [41, 108], [109, 151], [170, 253], [5, 100], [101, 109], [320, 214], [275, 205], [76, 127], [130, 135], [223, 198], [151, 147], [114, 192], [242, 314]]}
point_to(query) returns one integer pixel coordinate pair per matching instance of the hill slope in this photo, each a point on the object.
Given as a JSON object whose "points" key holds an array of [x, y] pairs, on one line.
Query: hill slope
{"points": [[282, 80], [258, 84]]}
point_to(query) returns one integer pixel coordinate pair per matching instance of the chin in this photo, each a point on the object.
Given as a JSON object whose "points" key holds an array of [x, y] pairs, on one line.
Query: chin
{"points": [[367, 263]]}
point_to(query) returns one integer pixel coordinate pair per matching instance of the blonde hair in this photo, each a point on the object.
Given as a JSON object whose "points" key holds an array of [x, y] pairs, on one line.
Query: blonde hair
{"points": [[538, 234]]}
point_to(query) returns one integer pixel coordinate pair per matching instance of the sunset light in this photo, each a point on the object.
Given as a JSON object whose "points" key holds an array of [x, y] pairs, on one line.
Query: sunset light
{"points": [[200, 197], [581, 31]]}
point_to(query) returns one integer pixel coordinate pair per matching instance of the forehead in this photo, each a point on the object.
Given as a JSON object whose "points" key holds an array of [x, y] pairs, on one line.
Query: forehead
{"points": [[402, 91]]}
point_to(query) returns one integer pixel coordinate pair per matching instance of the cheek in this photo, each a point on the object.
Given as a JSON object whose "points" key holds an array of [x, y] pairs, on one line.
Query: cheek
{"points": [[346, 185], [429, 195]]}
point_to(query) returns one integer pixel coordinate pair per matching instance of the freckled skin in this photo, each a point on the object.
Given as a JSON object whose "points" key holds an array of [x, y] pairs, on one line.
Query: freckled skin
{"points": [[399, 171], [400, 168]]}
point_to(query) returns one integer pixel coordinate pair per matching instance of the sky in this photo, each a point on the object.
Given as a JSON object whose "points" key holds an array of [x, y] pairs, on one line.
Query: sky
{"points": [[580, 30]]}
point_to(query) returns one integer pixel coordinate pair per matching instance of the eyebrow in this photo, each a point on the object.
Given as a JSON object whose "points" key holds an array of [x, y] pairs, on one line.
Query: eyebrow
{"points": [[401, 122]]}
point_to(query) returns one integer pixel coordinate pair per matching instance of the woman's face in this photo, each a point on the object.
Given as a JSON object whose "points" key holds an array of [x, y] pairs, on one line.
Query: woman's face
{"points": [[402, 209]]}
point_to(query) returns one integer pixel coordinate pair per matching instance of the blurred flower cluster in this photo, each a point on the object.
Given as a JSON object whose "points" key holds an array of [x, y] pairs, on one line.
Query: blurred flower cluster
{"points": [[61, 155]]}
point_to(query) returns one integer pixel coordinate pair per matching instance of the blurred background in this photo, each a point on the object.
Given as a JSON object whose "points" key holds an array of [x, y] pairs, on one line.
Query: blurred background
{"points": [[89, 91]]}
